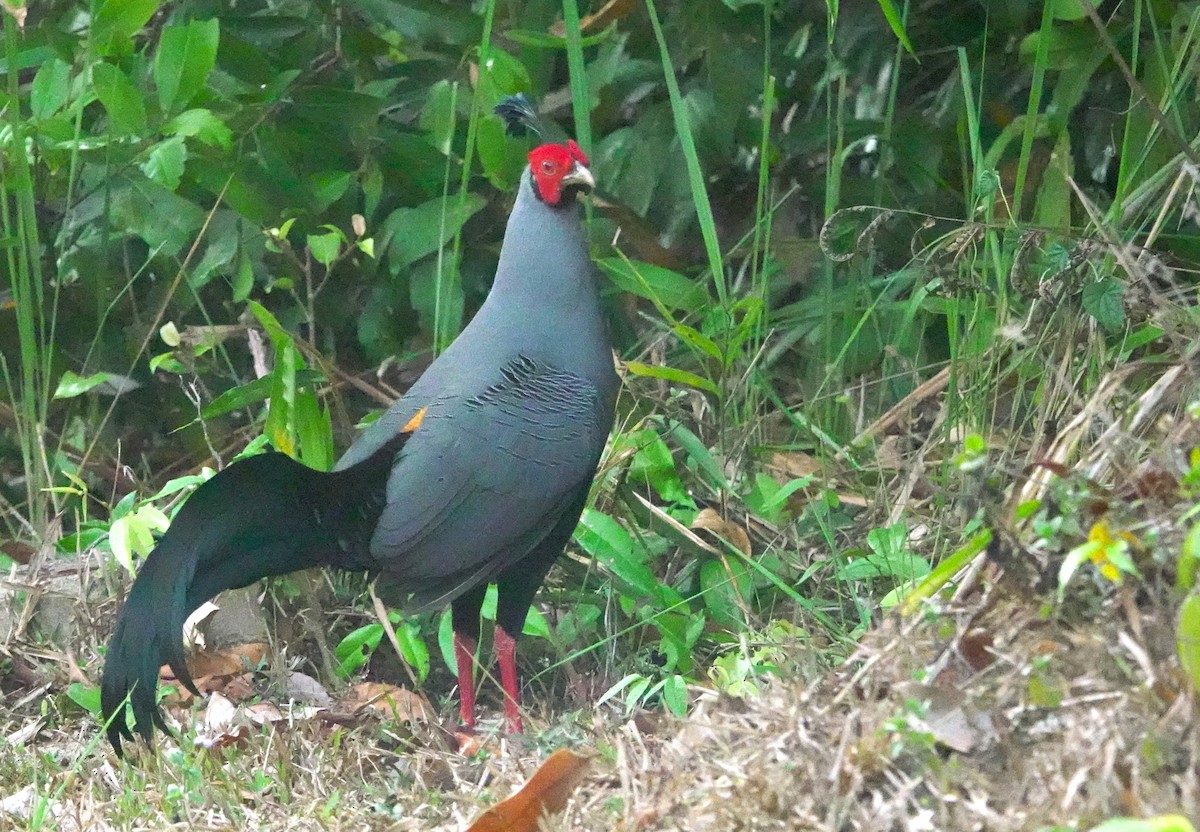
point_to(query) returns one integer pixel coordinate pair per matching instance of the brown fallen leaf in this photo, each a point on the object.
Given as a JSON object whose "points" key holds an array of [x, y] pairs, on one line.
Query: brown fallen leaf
{"points": [[221, 671], [306, 689], [18, 551], [794, 465], [546, 793], [385, 700], [228, 662], [709, 519], [225, 723], [949, 718], [218, 728]]}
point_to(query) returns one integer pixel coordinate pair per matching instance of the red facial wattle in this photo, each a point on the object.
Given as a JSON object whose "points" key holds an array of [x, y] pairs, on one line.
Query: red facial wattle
{"points": [[551, 164]]}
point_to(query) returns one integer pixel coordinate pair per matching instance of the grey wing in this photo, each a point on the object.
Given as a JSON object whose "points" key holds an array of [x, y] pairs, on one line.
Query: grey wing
{"points": [[485, 478]]}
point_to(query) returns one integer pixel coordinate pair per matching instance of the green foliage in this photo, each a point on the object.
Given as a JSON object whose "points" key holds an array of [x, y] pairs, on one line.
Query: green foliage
{"points": [[1161, 823], [789, 245]]}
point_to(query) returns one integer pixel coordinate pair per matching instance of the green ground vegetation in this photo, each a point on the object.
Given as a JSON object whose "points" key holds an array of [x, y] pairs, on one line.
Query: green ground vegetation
{"points": [[904, 297]]}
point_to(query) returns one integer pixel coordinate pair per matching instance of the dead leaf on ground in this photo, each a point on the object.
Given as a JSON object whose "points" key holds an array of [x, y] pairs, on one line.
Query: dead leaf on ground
{"points": [[193, 634], [28, 802], [26, 732], [218, 728], [304, 688], [224, 723], [18, 551], [949, 718], [546, 793], [794, 465], [709, 519], [384, 700], [213, 671], [229, 662]]}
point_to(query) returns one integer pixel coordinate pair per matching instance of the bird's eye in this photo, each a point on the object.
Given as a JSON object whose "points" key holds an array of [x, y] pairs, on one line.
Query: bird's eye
{"points": [[547, 166]]}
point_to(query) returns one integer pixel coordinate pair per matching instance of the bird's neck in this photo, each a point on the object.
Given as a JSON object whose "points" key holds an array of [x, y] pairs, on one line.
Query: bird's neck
{"points": [[544, 270]]}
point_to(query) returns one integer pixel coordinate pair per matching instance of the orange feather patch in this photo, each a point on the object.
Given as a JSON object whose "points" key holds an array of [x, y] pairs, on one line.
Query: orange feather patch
{"points": [[415, 422]]}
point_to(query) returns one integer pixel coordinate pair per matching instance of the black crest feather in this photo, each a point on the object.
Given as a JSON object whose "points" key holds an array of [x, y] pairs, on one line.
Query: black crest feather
{"points": [[518, 115]]}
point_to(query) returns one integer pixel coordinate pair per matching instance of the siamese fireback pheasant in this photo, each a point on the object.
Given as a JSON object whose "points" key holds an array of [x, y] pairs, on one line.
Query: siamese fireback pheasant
{"points": [[477, 475]]}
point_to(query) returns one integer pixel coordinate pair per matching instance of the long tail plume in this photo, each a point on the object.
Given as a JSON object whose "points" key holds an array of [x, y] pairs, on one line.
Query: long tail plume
{"points": [[264, 515]]}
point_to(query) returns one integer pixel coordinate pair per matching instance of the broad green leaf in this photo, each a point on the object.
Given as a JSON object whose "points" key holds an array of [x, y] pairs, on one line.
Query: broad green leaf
{"points": [[124, 506], [243, 278], [1104, 300], [536, 625], [85, 696], [1188, 562], [412, 233], [1070, 9], [49, 90], [1161, 823], [356, 648], [446, 641], [695, 338], [167, 362], [721, 582], [620, 686], [343, 110], [222, 238], [124, 104], [278, 335], [422, 20], [128, 536], [638, 691], [671, 289], [72, 385], [1187, 638], [1065, 46], [700, 455], [675, 694], [314, 430], [280, 426], [325, 247], [413, 649], [328, 187], [653, 464], [174, 486], [165, 163], [165, 220], [438, 117], [203, 125], [1071, 563], [118, 20], [608, 542], [672, 374], [186, 55]]}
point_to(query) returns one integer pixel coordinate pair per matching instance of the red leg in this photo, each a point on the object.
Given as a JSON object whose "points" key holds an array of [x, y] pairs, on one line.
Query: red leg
{"points": [[506, 653], [464, 656]]}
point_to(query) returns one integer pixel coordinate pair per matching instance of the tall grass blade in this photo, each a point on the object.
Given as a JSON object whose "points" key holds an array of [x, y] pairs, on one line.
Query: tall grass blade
{"points": [[580, 99], [704, 214]]}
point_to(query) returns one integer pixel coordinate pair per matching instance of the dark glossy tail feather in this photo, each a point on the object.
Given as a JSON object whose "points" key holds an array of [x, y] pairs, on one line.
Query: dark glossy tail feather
{"points": [[264, 515]]}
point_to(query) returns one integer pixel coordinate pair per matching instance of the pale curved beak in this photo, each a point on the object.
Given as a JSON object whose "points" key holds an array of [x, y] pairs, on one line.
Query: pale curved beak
{"points": [[580, 177]]}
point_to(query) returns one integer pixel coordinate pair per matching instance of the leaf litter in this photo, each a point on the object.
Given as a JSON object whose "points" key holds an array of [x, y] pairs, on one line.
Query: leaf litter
{"points": [[992, 709]]}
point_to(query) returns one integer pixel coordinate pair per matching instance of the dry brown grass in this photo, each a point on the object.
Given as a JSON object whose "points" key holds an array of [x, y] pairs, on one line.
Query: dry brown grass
{"points": [[995, 708]]}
